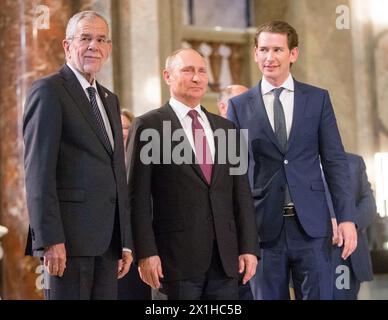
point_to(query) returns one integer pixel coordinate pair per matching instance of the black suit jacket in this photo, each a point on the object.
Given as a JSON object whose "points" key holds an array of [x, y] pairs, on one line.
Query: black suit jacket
{"points": [[74, 185], [177, 215]]}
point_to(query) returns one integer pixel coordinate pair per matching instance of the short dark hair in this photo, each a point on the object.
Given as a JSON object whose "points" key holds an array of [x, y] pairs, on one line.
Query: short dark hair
{"points": [[279, 27]]}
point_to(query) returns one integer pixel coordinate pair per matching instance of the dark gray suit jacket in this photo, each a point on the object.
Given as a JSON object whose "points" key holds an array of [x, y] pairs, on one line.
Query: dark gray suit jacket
{"points": [[177, 215], [74, 185]]}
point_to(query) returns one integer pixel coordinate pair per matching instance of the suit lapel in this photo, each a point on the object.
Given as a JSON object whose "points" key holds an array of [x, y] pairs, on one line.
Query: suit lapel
{"points": [[260, 117], [170, 115], [75, 90], [300, 100]]}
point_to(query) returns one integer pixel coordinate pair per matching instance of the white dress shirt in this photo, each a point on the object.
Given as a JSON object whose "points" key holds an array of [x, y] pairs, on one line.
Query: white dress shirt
{"points": [[181, 110], [286, 98], [85, 84]]}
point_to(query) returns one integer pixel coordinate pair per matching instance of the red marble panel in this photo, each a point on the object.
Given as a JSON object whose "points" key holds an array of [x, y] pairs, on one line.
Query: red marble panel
{"points": [[28, 52]]}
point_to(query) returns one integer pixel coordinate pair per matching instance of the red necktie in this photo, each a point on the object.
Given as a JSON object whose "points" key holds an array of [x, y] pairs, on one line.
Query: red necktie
{"points": [[202, 148]]}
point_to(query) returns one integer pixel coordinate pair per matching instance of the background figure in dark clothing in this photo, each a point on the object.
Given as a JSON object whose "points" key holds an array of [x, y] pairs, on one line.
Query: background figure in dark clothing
{"points": [[359, 265], [130, 287]]}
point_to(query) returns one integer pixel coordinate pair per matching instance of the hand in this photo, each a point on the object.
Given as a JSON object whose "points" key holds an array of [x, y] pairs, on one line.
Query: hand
{"points": [[247, 262], [54, 259], [124, 264], [150, 270], [347, 237], [335, 238]]}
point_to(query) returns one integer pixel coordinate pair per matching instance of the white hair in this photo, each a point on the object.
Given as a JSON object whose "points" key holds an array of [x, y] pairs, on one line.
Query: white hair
{"points": [[73, 22], [171, 59]]}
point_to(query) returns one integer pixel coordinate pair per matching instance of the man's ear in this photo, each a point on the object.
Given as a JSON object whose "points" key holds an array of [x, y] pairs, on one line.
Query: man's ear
{"points": [[222, 107], [66, 45], [294, 54], [255, 53], [166, 76]]}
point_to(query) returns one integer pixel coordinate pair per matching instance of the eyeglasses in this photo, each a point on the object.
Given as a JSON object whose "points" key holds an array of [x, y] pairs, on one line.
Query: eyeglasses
{"points": [[87, 40]]}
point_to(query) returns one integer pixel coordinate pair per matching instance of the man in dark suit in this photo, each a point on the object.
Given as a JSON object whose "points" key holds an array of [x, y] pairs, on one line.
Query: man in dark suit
{"points": [[359, 265], [75, 173], [193, 223], [291, 125]]}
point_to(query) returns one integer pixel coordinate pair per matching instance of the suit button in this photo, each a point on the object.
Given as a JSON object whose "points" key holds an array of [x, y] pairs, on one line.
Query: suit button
{"points": [[209, 218], [285, 161], [112, 200]]}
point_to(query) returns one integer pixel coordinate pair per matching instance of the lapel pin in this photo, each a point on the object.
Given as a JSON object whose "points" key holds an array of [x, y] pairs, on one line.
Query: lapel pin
{"points": [[106, 94]]}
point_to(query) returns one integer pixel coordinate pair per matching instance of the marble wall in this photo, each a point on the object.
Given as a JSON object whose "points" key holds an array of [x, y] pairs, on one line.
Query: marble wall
{"points": [[29, 49]]}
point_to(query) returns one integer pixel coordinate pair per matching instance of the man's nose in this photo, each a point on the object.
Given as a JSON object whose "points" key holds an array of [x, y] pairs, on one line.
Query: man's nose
{"points": [[93, 44], [270, 55], [196, 77]]}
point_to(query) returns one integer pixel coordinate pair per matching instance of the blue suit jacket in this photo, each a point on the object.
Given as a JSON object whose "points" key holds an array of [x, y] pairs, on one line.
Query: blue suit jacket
{"points": [[366, 211], [314, 135]]}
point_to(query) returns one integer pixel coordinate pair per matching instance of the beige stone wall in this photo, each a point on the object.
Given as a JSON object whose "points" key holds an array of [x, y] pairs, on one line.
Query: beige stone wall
{"points": [[326, 61], [145, 33]]}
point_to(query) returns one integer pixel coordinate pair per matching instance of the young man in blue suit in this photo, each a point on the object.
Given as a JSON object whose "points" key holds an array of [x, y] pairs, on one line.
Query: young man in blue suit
{"points": [[359, 265], [291, 126]]}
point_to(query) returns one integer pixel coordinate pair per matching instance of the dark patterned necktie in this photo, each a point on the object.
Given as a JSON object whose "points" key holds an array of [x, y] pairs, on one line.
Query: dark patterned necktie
{"points": [[279, 120], [99, 120], [281, 132], [202, 148]]}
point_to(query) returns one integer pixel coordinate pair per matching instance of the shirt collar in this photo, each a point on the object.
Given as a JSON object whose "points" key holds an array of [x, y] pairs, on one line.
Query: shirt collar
{"points": [[84, 83], [266, 87], [181, 109]]}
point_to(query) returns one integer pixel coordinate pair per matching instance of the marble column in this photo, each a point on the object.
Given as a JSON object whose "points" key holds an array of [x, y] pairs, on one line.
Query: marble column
{"points": [[31, 32], [325, 59], [145, 32], [365, 82]]}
